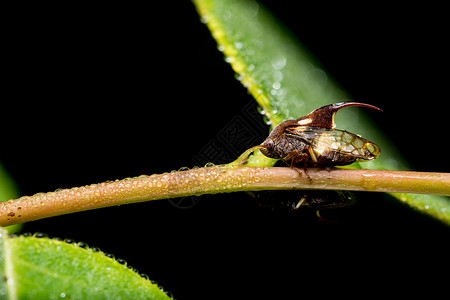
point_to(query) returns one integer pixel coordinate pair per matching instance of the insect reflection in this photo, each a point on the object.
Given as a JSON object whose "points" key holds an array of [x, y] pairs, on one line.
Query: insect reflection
{"points": [[317, 200]]}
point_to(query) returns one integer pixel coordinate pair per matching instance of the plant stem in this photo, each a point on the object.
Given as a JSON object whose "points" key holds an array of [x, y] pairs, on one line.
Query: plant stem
{"points": [[216, 179]]}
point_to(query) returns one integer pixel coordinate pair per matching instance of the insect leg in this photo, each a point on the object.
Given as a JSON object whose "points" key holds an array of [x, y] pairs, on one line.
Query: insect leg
{"points": [[322, 219], [298, 170], [300, 203], [303, 159], [290, 157], [294, 159], [312, 154]]}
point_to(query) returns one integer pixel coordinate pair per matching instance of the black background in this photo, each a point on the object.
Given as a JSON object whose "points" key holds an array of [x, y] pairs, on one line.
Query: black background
{"points": [[95, 93]]}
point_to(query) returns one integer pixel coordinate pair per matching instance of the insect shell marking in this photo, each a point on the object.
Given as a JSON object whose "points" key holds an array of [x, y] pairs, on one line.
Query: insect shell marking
{"points": [[304, 122], [325, 142]]}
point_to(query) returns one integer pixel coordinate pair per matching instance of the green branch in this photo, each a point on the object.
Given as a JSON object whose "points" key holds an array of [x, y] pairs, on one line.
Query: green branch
{"points": [[224, 179]]}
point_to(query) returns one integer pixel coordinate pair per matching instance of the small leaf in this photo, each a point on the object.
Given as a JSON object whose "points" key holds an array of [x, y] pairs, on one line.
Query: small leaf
{"points": [[43, 268], [288, 83]]}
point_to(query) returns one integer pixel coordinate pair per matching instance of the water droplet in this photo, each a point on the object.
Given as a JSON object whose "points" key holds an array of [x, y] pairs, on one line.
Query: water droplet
{"points": [[97, 193], [277, 76], [255, 8], [279, 63], [226, 15], [276, 85], [238, 45], [40, 235], [82, 245], [318, 75], [261, 110], [204, 19], [221, 48], [229, 59]]}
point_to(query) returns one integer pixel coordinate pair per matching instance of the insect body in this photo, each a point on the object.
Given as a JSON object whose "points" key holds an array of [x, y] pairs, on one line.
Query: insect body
{"points": [[313, 141]]}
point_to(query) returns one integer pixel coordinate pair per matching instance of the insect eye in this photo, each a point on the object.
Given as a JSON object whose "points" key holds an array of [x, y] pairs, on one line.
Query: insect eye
{"points": [[268, 144], [372, 149]]}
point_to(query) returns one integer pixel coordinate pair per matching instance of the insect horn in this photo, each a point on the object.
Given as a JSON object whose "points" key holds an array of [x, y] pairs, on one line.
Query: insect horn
{"points": [[324, 116]]}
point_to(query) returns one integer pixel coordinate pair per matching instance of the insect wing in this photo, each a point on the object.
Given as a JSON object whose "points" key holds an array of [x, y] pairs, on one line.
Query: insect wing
{"points": [[306, 133], [323, 140], [343, 142]]}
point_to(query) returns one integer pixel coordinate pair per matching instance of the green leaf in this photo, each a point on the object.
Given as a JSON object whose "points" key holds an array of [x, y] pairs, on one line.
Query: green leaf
{"points": [[287, 82], [43, 268]]}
